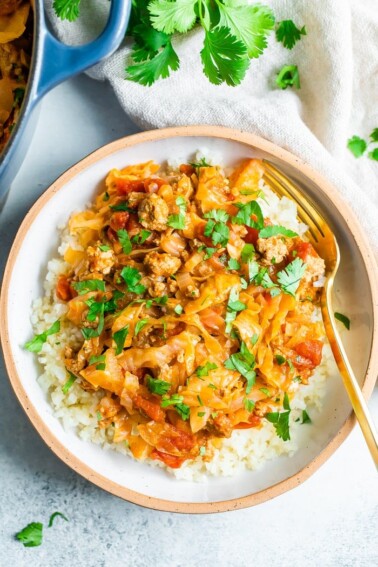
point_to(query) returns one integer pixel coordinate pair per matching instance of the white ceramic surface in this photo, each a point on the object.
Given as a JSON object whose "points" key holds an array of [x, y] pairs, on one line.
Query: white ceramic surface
{"points": [[25, 284]]}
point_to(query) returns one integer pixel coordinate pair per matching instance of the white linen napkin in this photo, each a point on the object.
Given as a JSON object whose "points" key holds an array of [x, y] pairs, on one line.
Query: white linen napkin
{"points": [[338, 66]]}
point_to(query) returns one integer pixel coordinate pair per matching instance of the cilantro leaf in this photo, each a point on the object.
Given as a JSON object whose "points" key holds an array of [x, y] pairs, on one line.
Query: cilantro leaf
{"points": [[67, 9], [121, 207], [343, 319], [224, 57], [178, 309], [288, 33], [305, 417], [36, 344], [374, 135], [67, 385], [141, 237], [373, 154], [201, 163], [288, 77], [159, 387], [357, 146], [88, 285], [275, 230], [280, 420], [248, 404], [31, 535], [177, 401], [157, 67], [250, 24], [178, 221], [119, 338], [55, 515], [289, 278], [249, 214], [204, 370], [168, 16], [243, 362], [131, 277], [233, 264], [139, 326], [216, 228]]}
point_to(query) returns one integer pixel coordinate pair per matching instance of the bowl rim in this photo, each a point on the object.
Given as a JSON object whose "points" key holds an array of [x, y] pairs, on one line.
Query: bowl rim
{"points": [[61, 450]]}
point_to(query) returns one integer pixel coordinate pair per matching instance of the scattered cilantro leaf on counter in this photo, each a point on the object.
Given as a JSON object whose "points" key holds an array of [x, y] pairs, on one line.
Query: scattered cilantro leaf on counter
{"points": [[275, 230], [170, 17], [178, 220], [290, 278], [288, 33], [159, 387], [343, 319], [157, 67], [224, 57], [373, 154], [288, 77], [374, 135], [119, 338], [67, 385], [280, 420], [67, 9], [55, 515], [139, 326], [88, 285], [205, 369], [31, 535], [357, 146], [37, 342], [132, 277], [305, 417]]}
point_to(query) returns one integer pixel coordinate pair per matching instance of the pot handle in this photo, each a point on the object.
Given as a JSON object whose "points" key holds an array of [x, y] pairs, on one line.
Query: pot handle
{"points": [[60, 61]]}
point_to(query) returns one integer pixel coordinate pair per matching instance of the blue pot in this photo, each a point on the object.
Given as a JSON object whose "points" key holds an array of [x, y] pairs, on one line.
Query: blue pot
{"points": [[53, 62]]}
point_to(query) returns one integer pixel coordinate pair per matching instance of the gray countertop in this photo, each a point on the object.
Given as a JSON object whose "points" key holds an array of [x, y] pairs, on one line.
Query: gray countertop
{"points": [[332, 519]]}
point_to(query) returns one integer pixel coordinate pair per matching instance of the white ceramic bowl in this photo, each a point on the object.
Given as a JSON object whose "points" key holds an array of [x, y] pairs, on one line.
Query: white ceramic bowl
{"points": [[37, 241]]}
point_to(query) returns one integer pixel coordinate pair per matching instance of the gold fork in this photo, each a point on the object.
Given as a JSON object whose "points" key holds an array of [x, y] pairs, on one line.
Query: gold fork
{"points": [[325, 243]]}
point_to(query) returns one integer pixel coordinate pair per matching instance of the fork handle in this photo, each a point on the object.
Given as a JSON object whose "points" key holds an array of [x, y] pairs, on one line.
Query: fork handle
{"points": [[350, 382]]}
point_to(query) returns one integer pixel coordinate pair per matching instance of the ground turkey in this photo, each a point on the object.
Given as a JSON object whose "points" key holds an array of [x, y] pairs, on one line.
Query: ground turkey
{"points": [[153, 212], [161, 264], [274, 249]]}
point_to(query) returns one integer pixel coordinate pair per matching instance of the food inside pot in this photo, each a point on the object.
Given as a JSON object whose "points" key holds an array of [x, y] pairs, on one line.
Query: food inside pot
{"points": [[16, 33]]}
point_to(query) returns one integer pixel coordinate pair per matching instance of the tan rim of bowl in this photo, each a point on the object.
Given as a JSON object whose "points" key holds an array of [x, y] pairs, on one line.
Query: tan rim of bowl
{"points": [[60, 450]]}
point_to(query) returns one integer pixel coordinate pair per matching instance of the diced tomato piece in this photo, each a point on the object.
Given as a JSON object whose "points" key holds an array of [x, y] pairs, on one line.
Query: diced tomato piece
{"points": [[253, 421], [303, 250], [64, 291], [187, 169], [251, 236], [126, 186], [170, 460], [119, 220], [310, 350], [151, 409]]}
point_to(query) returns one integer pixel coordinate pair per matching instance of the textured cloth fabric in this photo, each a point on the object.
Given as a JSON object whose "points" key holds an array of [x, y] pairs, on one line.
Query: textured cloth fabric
{"points": [[338, 66]]}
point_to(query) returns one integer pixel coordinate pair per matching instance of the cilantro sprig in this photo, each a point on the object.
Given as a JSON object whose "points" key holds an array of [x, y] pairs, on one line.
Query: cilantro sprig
{"points": [[243, 362], [280, 420], [234, 33], [288, 33], [290, 278], [36, 344], [216, 227], [178, 220], [358, 146]]}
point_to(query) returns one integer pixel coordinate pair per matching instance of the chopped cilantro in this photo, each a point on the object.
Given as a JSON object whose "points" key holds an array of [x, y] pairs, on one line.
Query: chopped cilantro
{"points": [[343, 319], [280, 420], [159, 387], [305, 417], [243, 362], [265, 391], [201, 413], [31, 535], [104, 248], [254, 339], [37, 342], [202, 451], [177, 401], [357, 146], [209, 252], [88, 285], [288, 77], [200, 401], [106, 196], [289, 278], [132, 277], [288, 33], [233, 264], [204, 370], [124, 240], [280, 359], [216, 227], [233, 306], [274, 230], [249, 214], [201, 163], [247, 253], [55, 515], [178, 309], [119, 338], [141, 237], [248, 404], [139, 326], [120, 207], [178, 221], [67, 385]]}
